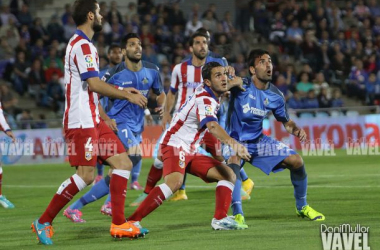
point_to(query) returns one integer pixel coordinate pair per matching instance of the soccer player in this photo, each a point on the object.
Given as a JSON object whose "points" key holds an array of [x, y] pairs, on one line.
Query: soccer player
{"points": [[143, 76], [246, 113], [85, 132], [181, 140], [114, 57], [7, 130]]}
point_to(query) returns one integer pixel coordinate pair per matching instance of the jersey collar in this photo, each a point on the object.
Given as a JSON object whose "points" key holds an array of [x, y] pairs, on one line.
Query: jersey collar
{"points": [[211, 93], [82, 34]]}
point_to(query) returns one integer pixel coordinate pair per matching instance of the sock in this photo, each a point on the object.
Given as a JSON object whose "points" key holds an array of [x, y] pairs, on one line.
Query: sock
{"points": [[183, 187], [65, 193], [155, 198], [137, 162], [299, 181], [154, 176], [223, 198], [108, 199], [1, 178], [100, 168], [107, 179], [118, 190], [243, 175], [236, 197], [97, 191]]}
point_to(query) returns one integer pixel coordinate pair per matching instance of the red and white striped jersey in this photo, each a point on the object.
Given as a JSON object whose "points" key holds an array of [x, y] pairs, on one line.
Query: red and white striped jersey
{"points": [[81, 63], [186, 78], [188, 126], [3, 122]]}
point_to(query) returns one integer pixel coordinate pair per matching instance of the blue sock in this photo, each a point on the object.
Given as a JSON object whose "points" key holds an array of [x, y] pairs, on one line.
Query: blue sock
{"points": [[299, 181], [108, 199], [183, 187], [97, 191], [236, 205], [243, 174], [100, 168], [137, 162]]}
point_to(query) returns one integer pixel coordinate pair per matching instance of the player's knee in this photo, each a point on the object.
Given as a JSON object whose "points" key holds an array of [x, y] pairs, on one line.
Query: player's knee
{"points": [[231, 176], [88, 177], [123, 163], [158, 164], [174, 183], [234, 160], [296, 161]]}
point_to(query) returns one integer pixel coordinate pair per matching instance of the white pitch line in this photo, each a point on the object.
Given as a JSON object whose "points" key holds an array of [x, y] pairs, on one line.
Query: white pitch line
{"points": [[209, 186]]}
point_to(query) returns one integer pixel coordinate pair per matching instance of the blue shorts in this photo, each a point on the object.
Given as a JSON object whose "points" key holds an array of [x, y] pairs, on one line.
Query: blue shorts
{"points": [[127, 137], [266, 153]]}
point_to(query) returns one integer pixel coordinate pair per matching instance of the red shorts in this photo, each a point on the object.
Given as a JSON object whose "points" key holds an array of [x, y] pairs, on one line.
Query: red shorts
{"points": [[86, 146], [177, 160], [213, 145]]}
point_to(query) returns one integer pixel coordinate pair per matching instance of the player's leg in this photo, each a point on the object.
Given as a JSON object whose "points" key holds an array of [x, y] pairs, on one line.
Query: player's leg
{"points": [[154, 176], [298, 177], [247, 183], [135, 156], [211, 170], [181, 192], [3, 200], [83, 140], [100, 170]]}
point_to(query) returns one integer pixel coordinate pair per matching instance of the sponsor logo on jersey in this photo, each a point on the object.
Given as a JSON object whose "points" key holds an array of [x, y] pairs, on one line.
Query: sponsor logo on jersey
{"points": [[255, 111], [89, 61], [128, 82], [193, 85], [209, 110], [252, 97]]}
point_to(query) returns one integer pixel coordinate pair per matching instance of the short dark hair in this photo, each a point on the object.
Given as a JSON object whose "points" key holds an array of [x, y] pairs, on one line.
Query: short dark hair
{"points": [[125, 39], [113, 46], [196, 34], [207, 68], [81, 9], [256, 53]]}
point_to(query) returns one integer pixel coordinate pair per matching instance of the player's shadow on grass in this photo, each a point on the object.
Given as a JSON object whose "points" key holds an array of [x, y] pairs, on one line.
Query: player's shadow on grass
{"points": [[184, 226]]}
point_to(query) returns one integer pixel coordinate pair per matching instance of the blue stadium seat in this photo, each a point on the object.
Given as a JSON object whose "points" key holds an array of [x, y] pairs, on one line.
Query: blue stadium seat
{"points": [[306, 115], [322, 114], [352, 113]]}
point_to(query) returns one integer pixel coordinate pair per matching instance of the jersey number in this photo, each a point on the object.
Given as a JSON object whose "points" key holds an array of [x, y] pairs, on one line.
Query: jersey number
{"points": [[125, 131], [88, 145]]}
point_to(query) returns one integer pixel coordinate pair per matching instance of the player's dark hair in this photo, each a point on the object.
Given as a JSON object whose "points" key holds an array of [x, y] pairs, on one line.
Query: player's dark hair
{"points": [[196, 34], [80, 10], [113, 46], [125, 39], [256, 53], [207, 68]]}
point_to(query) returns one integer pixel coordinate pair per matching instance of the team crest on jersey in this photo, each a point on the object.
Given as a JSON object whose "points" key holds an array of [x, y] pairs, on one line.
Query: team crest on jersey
{"points": [[208, 110], [89, 61], [88, 155], [252, 97], [181, 164], [266, 101], [144, 80]]}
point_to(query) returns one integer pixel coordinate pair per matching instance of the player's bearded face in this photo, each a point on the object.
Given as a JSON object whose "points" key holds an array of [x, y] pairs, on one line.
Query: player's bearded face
{"points": [[264, 68], [116, 56], [97, 24], [134, 50], [200, 47]]}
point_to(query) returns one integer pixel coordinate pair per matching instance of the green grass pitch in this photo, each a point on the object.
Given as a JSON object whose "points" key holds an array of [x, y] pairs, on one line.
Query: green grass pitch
{"points": [[345, 188]]}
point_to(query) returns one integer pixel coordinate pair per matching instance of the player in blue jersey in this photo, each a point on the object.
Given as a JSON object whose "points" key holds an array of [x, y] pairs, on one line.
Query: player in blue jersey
{"points": [[129, 118], [115, 57], [246, 113]]}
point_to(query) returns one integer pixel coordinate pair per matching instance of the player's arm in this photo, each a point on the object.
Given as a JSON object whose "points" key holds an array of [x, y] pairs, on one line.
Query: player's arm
{"points": [[293, 129], [236, 81], [111, 123], [216, 130], [5, 126], [170, 97]]}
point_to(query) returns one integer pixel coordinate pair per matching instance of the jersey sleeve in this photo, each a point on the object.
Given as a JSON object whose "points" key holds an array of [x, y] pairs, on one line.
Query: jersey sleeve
{"points": [[206, 110], [3, 123], [157, 84], [281, 112], [85, 60], [175, 79]]}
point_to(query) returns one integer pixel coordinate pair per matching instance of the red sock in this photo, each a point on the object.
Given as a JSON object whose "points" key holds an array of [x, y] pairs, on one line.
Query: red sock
{"points": [[154, 176], [155, 198], [1, 177], [223, 201], [65, 193], [118, 191]]}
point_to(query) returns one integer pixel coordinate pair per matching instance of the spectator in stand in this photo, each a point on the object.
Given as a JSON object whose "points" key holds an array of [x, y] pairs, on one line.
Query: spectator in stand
{"points": [[55, 29], [228, 26], [349, 20], [24, 17], [295, 101], [25, 34], [36, 78], [311, 101], [320, 83], [209, 23], [114, 13], [41, 123], [323, 99], [9, 102], [361, 11], [55, 93], [10, 32], [211, 8], [39, 50], [372, 87], [192, 26], [294, 36], [281, 85], [53, 69], [336, 101], [38, 31], [25, 119], [371, 64], [69, 28], [20, 76], [239, 65], [67, 14], [374, 8], [242, 15], [290, 77], [53, 57], [304, 85], [356, 81], [277, 29], [6, 15], [6, 51], [176, 16], [260, 18]]}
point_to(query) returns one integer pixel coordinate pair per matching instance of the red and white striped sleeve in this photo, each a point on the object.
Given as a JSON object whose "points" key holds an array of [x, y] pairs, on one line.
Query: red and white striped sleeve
{"points": [[85, 60], [206, 110], [3, 122], [175, 78]]}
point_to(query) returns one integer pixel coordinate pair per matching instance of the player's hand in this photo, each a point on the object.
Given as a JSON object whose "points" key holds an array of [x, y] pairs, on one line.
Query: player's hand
{"points": [[160, 111], [11, 135], [242, 152], [301, 134], [134, 96], [236, 82], [149, 119], [230, 71], [167, 118], [111, 123]]}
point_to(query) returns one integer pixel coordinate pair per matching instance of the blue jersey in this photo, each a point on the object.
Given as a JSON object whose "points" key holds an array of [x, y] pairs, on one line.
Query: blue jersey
{"points": [[105, 101], [211, 57], [248, 109], [147, 78]]}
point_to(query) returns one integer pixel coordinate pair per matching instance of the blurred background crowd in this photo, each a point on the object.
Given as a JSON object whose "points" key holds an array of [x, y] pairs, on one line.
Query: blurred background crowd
{"points": [[325, 53]]}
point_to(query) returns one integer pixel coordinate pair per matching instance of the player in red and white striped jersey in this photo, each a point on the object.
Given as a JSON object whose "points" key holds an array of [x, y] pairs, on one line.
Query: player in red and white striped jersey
{"points": [[7, 130], [85, 132], [180, 141]]}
